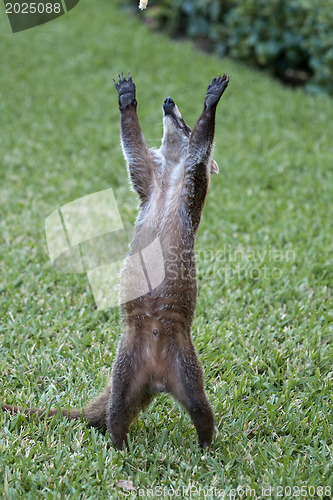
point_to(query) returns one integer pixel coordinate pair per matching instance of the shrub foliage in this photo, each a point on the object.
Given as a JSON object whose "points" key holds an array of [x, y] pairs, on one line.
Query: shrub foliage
{"points": [[292, 38]]}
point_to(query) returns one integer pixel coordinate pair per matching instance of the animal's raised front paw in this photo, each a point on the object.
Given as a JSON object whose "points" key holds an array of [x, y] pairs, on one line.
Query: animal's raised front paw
{"points": [[215, 90], [126, 90]]}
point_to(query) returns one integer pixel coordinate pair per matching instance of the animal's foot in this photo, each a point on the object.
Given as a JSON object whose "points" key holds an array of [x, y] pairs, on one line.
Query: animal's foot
{"points": [[215, 90], [126, 91]]}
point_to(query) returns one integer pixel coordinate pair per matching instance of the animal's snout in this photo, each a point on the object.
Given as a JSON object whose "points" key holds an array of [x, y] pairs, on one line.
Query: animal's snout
{"points": [[168, 105]]}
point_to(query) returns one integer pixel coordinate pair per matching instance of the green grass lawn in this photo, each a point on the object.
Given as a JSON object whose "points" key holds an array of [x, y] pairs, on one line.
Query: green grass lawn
{"points": [[264, 319]]}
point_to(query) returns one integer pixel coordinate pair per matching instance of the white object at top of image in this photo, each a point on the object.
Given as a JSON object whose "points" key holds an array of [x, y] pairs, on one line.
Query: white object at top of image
{"points": [[143, 4]]}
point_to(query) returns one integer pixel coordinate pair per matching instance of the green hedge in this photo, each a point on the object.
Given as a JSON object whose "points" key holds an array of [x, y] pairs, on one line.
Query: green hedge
{"points": [[293, 38]]}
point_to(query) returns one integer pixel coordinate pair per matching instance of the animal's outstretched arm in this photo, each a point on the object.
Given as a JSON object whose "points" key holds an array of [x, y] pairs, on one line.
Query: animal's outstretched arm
{"points": [[202, 136], [197, 173], [133, 144]]}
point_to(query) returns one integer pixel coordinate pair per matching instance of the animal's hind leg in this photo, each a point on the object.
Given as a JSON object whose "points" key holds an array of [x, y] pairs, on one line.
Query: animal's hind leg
{"points": [[188, 389], [122, 412], [129, 395]]}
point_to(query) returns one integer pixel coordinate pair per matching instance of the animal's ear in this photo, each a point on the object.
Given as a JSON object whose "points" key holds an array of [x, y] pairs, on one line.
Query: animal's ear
{"points": [[214, 168]]}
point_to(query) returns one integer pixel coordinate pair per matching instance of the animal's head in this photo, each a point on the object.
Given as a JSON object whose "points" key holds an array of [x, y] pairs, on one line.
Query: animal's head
{"points": [[176, 133]]}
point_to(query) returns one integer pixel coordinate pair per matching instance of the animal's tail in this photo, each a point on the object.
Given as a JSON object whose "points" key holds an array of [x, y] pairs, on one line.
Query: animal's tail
{"points": [[94, 414]]}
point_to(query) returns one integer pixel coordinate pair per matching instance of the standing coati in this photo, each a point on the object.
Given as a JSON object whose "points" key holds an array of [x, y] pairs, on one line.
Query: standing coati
{"points": [[156, 353]]}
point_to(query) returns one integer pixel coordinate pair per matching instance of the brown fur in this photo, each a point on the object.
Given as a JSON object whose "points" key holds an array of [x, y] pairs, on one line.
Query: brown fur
{"points": [[156, 353]]}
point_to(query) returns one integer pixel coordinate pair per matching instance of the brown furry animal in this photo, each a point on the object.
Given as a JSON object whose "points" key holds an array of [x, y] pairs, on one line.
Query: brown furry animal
{"points": [[156, 353]]}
